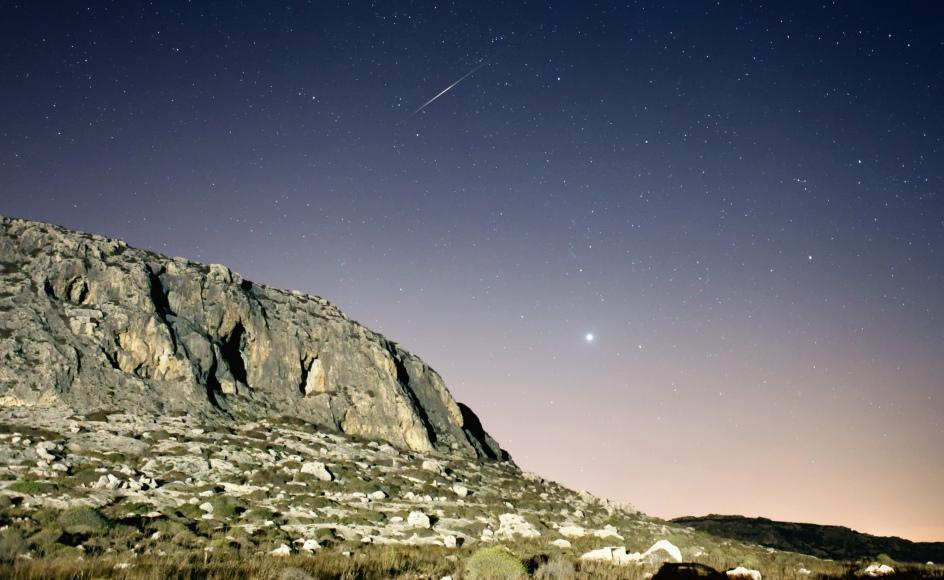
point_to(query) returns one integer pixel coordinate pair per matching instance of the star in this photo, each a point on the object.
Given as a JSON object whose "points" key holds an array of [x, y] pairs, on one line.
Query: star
{"points": [[588, 337]]}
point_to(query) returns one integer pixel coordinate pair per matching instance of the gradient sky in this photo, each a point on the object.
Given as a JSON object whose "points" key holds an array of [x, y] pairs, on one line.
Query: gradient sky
{"points": [[741, 202]]}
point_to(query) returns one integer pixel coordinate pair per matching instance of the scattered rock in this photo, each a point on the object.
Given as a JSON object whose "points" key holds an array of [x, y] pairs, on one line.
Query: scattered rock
{"points": [[511, 525], [742, 573], [608, 531], [875, 570], [317, 469], [598, 555], [460, 490], [418, 520], [572, 531], [109, 482], [282, 550], [560, 543]]}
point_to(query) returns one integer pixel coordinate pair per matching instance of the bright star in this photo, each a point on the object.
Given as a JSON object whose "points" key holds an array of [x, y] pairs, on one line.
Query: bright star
{"points": [[589, 337]]}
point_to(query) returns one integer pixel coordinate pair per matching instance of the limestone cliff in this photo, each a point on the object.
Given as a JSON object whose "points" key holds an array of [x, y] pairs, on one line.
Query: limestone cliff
{"points": [[92, 324]]}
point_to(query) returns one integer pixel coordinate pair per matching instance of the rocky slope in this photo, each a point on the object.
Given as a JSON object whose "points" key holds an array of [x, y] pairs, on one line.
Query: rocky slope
{"points": [[834, 542], [90, 324], [131, 489]]}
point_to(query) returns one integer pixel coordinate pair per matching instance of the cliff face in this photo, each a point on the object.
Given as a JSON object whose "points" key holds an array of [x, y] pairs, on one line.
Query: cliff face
{"points": [[92, 324]]}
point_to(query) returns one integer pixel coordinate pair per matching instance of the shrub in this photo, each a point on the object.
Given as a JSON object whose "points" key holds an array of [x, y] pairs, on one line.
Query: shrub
{"points": [[30, 486], [83, 520], [494, 563], [11, 544], [556, 569]]}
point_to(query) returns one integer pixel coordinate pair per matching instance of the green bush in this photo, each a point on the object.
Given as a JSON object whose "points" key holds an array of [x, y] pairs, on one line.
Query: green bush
{"points": [[494, 563], [83, 520], [556, 569], [30, 486], [11, 544]]}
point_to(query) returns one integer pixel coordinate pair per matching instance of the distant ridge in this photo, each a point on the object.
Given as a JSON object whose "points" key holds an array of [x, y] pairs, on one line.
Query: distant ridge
{"points": [[832, 542]]}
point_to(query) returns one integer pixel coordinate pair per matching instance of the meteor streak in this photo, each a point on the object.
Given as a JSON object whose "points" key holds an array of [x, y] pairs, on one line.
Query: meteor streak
{"points": [[445, 90]]}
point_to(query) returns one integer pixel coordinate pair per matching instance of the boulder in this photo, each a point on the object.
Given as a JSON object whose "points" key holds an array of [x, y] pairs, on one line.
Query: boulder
{"points": [[661, 552], [598, 555], [317, 469], [418, 520], [572, 531], [512, 525], [561, 543], [742, 573], [875, 570]]}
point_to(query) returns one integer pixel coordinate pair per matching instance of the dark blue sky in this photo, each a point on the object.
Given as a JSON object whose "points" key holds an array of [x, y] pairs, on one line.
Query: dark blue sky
{"points": [[741, 201]]}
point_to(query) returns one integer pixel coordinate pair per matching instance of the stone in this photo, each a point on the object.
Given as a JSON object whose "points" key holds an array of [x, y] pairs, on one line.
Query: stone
{"points": [[512, 525], [608, 531], [460, 490], [661, 552], [572, 531], [561, 543], [310, 545], [598, 555], [450, 541], [318, 469], [282, 550], [875, 570], [434, 466], [418, 520], [377, 495], [742, 573], [109, 482]]}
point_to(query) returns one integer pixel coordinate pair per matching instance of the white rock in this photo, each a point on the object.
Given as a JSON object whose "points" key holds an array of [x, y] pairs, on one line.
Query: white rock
{"points": [[878, 570], [318, 469], [207, 507], [562, 544], [109, 482], [572, 531], [669, 549], [47, 450], [743, 573], [803, 572], [450, 541], [599, 555], [310, 545], [460, 490], [377, 495], [418, 520], [608, 531], [511, 525], [282, 550], [434, 466]]}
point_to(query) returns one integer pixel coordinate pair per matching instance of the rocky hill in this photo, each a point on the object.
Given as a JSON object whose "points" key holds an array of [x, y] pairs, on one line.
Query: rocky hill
{"points": [[165, 419], [91, 324], [834, 542]]}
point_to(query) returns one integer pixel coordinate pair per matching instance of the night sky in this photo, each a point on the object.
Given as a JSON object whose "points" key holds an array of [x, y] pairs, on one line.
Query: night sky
{"points": [[740, 202]]}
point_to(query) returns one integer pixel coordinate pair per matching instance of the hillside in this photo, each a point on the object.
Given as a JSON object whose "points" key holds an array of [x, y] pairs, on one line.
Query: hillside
{"points": [[833, 542]]}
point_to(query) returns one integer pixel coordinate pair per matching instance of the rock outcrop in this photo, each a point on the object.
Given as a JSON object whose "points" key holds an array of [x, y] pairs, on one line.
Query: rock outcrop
{"points": [[92, 324]]}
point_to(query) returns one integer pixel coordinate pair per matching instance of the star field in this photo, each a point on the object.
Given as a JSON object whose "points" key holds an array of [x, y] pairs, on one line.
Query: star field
{"points": [[683, 254]]}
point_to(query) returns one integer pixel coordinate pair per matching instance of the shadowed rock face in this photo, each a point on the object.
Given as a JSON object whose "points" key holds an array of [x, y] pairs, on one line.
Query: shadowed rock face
{"points": [[90, 324]]}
